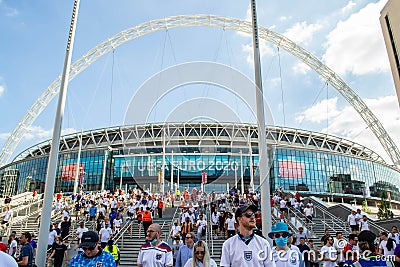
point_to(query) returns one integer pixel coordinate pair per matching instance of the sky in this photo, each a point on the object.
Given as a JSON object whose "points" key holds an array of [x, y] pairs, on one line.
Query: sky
{"points": [[345, 35]]}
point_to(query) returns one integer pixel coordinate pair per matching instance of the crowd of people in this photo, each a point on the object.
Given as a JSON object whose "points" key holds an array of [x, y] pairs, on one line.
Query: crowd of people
{"points": [[233, 217]]}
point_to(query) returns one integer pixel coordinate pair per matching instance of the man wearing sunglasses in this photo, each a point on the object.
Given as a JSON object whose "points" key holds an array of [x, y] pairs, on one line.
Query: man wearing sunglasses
{"points": [[155, 252], [283, 254], [92, 255], [245, 248]]}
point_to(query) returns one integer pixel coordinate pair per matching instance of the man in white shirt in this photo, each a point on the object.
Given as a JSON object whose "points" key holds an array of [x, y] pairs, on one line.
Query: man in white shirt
{"points": [[351, 220], [79, 231], [201, 227], [358, 218], [246, 248], [364, 225], [328, 253], [214, 223], [385, 248], [154, 252], [394, 234], [7, 217], [105, 234], [175, 229], [230, 225], [308, 212]]}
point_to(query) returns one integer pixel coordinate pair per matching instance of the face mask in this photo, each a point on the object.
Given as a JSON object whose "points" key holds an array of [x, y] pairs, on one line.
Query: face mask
{"points": [[153, 241], [57, 242], [281, 241]]}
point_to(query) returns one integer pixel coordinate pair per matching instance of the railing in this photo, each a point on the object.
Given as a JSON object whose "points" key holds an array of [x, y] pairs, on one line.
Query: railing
{"points": [[301, 221], [334, 219], [122, 231]]}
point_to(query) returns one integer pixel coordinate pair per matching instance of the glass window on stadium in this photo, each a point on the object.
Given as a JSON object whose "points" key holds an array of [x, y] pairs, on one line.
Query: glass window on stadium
{"points": [[322, 172]]}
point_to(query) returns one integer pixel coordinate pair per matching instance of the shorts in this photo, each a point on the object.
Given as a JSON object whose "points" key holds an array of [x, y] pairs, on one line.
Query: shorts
{"points": [[354, 227], [214, 226], [4, 222], [309, 218], [283, 209]]}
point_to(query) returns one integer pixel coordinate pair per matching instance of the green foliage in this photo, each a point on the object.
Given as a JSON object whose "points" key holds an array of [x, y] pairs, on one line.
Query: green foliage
{"points": [[384, 208], [365, 207]]}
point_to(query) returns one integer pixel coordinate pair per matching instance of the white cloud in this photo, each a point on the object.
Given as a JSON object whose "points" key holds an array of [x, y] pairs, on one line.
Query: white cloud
{"points": [[347, 122], [319, 112], [265, 50], [4, 136], [348, 7], [283, 18], [2, 89], [38, 132], [356, 44], [301, 32], [300, 68]]}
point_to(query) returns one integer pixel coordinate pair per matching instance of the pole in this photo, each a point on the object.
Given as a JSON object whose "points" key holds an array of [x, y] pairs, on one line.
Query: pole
{"points": [[53, 157], [163, 165], [236, 176], [241, 173], [251, 167], [177, 179], [103, 177], [262, 143], [120, 177], [172, 173], [78, 164]]}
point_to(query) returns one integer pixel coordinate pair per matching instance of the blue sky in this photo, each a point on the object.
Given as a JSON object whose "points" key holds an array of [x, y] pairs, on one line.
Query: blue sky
{"points": [[344, 34]]}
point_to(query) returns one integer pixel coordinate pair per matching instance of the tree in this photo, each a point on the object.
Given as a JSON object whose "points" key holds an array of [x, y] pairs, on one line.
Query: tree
{"points": [[384, 208]]}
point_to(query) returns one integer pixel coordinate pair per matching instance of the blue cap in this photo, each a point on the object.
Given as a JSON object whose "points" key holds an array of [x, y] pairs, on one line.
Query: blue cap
{"points": [[279, 227]]}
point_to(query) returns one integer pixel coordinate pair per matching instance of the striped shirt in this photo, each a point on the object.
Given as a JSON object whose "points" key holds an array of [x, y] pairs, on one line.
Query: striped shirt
{"points": [[155, 256]]}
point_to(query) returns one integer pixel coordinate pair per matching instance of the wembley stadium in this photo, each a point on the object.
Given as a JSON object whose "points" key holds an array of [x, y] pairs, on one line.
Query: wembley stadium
{"points": [[218, 155]]}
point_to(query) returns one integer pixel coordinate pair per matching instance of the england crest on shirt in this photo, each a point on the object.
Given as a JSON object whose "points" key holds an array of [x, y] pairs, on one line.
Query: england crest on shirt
{"points": [[158, 256], [99, 264], [248, 255]]}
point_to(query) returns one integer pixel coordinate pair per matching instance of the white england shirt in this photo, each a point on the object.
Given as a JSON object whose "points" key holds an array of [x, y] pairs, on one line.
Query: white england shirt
{"points": [[236, 253], [230, 223], [157, 256], [290, 258]]}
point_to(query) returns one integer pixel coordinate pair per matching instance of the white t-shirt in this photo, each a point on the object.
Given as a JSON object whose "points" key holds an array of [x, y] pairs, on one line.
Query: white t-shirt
{"points": [[7, 260], [214, 218], [235, 252], [105, 234], [52, 236], [12, 246], [80, 231], [308, 211], [117, 223], [175, 229], [329, 252], [351, 219], [200, 264], [7, 215], [230, 223], [395, 237], [282, 204], [290, 258], [157, 256], [200, 224], [364, 225], [386, 252]]}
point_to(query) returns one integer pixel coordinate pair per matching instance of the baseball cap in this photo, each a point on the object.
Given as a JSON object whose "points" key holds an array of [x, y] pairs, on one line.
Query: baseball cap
{"points": [[89, 239], [243, 209]]}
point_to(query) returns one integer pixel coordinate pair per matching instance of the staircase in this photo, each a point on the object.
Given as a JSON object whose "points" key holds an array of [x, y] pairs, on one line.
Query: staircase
{"points": [[131, 241]]}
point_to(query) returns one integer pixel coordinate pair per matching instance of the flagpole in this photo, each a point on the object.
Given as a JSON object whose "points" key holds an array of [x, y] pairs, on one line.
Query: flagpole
{"points": [[55, 144]]}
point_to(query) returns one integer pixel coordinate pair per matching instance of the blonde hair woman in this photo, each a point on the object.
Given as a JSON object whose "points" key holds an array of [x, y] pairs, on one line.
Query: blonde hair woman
{"points": [[201, 256]]}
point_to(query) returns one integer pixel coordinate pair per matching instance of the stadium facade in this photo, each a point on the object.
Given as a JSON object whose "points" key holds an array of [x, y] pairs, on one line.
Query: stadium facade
{"points": [[135, 155]]}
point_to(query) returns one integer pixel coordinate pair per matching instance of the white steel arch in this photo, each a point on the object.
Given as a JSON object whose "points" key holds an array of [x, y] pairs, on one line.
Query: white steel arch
{"points": [[210, 21]]}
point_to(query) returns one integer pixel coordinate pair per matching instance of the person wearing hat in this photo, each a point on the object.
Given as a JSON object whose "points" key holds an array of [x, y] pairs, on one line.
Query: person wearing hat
{"points": [[155, 252], [366, 245], [5, 259], [283, 254], [92, 255], [245, 248]]}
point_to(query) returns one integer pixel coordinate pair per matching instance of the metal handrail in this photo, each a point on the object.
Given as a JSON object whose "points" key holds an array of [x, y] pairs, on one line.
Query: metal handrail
{"points": [[333, 218], [121, 233], [308, 226]]}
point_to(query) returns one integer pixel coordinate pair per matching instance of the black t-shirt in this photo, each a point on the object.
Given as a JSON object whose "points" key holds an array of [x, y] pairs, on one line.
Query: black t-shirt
{"points": [[65, 225], [304, 248], [59, 251]]}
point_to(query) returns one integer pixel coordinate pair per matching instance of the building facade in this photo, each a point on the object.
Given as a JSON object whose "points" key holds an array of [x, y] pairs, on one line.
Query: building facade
{"points": [[219, 155], [390, 23]]}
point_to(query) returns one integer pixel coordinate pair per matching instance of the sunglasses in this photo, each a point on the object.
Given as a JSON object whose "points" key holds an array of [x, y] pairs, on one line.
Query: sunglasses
{"points": [[249, 214], [199, 253], [188, 237], [88, 248], [278, 235]]}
